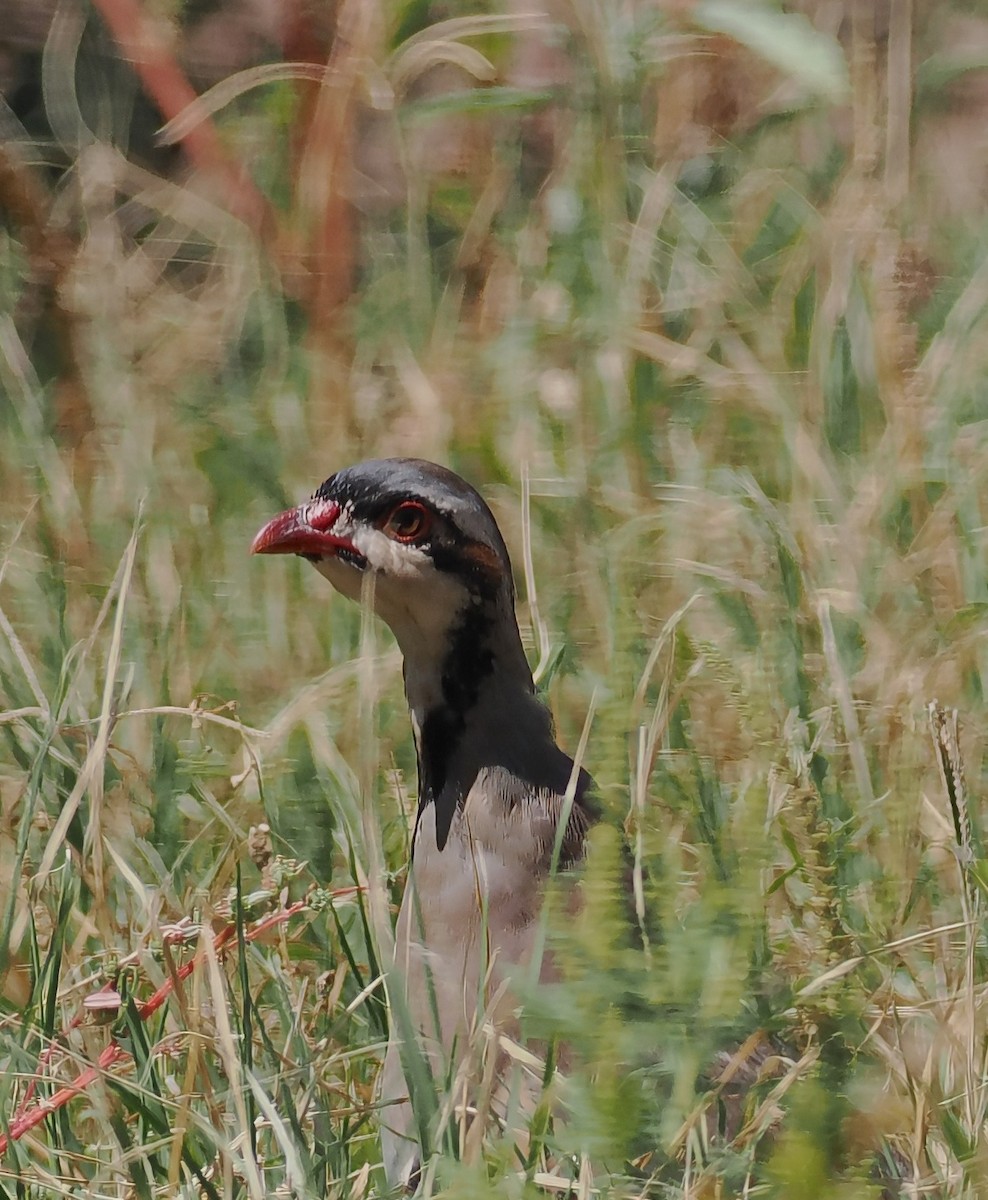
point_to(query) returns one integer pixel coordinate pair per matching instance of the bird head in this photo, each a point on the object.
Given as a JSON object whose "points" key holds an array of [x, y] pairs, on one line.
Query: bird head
{"points": [[418, 534]]}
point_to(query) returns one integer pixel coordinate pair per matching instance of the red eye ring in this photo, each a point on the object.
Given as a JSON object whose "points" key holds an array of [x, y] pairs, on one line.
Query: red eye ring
{"points": [[407, 522]]}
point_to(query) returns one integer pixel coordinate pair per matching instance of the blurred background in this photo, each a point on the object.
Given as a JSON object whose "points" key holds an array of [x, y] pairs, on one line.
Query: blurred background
{"points": [[694, 292]]}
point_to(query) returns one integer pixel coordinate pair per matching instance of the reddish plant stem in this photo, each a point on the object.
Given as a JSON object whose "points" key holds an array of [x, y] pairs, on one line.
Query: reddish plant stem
{"points": [[142, 45], [27, 1117]]}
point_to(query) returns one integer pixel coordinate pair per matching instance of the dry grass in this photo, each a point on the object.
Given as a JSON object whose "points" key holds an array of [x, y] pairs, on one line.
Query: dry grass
{"points": [[703, 300]]}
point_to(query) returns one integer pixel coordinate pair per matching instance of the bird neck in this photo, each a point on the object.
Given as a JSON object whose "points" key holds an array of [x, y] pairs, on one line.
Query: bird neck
{"points": [[480, 662], [474, 706]]}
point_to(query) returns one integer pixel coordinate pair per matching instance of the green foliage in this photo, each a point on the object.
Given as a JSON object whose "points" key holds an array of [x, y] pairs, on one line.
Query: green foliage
{"points": [[660, 267]]}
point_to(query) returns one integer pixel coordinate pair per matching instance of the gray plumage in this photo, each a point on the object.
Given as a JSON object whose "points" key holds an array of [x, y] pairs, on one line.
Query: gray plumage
{"points": [[492, 780]]}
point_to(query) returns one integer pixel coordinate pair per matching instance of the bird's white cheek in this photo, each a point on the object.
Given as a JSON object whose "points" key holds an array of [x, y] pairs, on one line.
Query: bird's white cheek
{"points": [[418, 602], [388, 557], [387, 562]]}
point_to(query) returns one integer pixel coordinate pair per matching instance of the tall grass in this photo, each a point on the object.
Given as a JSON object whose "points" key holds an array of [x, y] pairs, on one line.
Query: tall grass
{"points": [[711, 279]]}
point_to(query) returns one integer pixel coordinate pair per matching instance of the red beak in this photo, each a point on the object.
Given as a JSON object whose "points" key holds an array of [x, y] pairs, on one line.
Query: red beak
{"points": [[303, 530]]}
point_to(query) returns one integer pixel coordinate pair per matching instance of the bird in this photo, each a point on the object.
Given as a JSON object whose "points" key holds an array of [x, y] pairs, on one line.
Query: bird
{"points": [[500, 804]]}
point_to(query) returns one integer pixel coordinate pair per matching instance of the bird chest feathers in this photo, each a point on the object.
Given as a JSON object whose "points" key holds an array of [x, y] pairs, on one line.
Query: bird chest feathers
{"points": [[470, 910], [469, 924]]}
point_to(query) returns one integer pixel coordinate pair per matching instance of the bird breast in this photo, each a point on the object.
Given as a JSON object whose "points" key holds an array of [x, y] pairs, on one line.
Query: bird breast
{"points": [[470, 912]]}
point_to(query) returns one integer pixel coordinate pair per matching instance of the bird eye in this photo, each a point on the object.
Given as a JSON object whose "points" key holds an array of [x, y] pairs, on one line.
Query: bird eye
{"points": [[408, 522]]}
